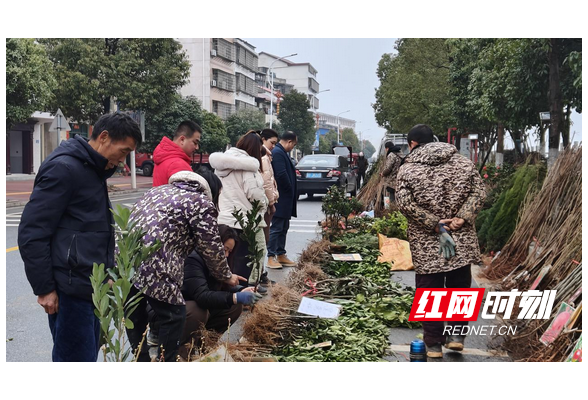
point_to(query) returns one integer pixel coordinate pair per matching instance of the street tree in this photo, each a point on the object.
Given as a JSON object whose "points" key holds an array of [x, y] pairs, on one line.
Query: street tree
{"points": [[414, 86], [368, 148], [141, 74], [243, 121], [30, 81], [294, 116], [214, 136], [327, 141], [349, 138]]}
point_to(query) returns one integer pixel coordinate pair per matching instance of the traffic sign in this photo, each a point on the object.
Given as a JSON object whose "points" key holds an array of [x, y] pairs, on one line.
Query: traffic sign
{"points": [[59, 122]]}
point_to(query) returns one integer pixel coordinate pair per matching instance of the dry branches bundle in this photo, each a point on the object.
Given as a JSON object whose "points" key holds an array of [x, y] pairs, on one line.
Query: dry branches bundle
{"points": [[372, 193], [552, 221], [269, 320], [316, 252], [549, 233], [297, 278]]}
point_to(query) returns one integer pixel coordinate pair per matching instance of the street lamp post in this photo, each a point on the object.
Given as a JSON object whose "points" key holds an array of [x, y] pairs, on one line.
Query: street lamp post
{"points": [[338, 127], [272, 86]]}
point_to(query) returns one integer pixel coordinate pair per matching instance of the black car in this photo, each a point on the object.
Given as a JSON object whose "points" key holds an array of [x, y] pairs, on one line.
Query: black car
{"points": [[316, 173]]}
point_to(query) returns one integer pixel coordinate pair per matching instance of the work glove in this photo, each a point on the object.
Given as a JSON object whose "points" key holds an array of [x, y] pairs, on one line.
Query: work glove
{"points": [[446, 243], [248, 298]]}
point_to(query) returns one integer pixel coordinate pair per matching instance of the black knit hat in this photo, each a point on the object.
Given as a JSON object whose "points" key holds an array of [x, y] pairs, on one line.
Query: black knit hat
{"points": [[421, 133]]}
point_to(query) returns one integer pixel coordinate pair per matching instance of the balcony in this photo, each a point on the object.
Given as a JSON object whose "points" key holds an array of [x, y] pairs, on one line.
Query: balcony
{"points": [[222, 48]]}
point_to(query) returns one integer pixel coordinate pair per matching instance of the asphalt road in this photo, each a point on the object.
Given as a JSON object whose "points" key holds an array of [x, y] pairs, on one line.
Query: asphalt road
{"points": [[27, 331]]}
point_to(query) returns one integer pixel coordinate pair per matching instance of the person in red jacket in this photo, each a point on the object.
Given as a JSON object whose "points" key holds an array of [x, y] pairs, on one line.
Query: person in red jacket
{"points": [[174, 156]]}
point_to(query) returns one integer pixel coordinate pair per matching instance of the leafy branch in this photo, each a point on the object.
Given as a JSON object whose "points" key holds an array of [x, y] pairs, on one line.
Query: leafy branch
{"points": [[250, 225], [111, 288]]}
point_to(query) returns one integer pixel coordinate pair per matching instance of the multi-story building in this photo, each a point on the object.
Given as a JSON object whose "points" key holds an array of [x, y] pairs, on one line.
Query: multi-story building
{"points": [[222, 74], [299, 76], [328, 122]]}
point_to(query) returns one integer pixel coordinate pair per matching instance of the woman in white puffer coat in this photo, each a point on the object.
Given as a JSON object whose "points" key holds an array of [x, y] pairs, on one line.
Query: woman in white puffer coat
{"points": [[239, 170]]}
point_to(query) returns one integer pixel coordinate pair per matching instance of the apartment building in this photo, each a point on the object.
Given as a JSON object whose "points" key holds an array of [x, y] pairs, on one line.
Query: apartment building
{"points": [[222, 74], [299, 76]]}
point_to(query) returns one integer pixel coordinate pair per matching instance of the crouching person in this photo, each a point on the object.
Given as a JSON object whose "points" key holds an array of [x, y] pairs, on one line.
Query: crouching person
{"points": [[211, 304]]}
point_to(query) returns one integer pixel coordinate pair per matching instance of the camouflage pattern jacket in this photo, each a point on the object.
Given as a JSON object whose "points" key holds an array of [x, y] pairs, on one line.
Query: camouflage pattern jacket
{"points": [[390, 170], [435, 183], [184, 219]]}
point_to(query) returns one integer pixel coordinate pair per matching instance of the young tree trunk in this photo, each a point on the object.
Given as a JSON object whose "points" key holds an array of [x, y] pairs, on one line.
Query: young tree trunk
{"points": [[500, 145], [565, 134], [555, 102]]}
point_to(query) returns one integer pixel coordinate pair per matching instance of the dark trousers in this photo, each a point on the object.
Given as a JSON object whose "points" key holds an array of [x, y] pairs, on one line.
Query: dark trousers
{"points": [[198, 318], [268, 221], [239, 258], [458, 278], [170, 322], [277, 236], [360, 179], [75, 330]]}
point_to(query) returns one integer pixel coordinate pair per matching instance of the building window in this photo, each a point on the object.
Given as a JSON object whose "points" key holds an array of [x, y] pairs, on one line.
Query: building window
{"points": [[223, 110], [241, 105], [222, 80], [246, 84], [224, 49], [313, 85], [246, 58]]}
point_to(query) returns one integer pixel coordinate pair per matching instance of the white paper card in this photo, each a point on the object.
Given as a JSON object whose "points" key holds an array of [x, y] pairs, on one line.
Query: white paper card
{"points": [[321, 309]]}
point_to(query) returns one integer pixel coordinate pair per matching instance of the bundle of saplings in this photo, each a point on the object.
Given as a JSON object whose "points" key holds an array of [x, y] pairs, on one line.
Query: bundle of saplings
{"points": [[496, 224]]}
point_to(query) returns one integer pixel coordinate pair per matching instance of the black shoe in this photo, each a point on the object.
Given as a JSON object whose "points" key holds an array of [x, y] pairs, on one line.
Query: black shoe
{"points": [[265, 281], [261, 290], [454, 343]]}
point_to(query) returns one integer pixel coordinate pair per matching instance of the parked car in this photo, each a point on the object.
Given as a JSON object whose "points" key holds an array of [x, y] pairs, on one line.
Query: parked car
{"points": [[316, 173], [200, 160], [145, 162]]}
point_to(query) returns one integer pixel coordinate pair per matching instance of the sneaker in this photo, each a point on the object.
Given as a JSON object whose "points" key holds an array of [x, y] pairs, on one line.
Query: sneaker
{"points": [[285, 261], [454, 343], [435, 351], [273, 263]]}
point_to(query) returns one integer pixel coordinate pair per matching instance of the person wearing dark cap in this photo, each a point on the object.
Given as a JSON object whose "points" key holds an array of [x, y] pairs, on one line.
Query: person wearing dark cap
{"points": [[440, 192], [393, 162]]}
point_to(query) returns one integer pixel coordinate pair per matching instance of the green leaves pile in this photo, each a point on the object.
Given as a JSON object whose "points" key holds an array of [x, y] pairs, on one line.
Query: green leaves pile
{"points": [[371, 304], [357, 335]]}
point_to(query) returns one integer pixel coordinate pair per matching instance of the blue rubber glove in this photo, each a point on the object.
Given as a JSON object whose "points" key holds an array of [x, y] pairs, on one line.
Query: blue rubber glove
{"points": [[248, 298], [446, 243]]}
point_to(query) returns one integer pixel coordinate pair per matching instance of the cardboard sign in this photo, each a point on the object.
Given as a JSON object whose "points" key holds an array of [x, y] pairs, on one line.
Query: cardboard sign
{"points": [[347, 257], [318, 308]]}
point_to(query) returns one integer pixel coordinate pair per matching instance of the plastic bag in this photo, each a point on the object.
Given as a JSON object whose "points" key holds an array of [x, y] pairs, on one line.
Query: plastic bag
{"points": [[395, 251]]}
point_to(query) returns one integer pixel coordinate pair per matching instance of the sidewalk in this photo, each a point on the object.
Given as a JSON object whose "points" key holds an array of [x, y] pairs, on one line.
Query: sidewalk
{"points": [[20, 186]]}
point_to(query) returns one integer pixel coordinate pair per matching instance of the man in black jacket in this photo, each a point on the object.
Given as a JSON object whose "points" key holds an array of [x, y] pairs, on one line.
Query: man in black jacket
{"points": [[362, 166], [67, 226], [285, 175]]}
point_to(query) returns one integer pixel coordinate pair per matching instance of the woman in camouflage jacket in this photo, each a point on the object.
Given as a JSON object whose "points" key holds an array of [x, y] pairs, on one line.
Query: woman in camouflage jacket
{"points": [[437, 185]]}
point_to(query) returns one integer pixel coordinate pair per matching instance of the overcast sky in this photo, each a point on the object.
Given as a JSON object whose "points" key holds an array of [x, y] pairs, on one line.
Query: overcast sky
{"points": [[348, 68], [345, 66]]}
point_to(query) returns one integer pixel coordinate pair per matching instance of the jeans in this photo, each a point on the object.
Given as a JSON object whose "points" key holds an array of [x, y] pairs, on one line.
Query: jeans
{"points": [[458, 278], [170, 323], [75, 330], [277, 236]]}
